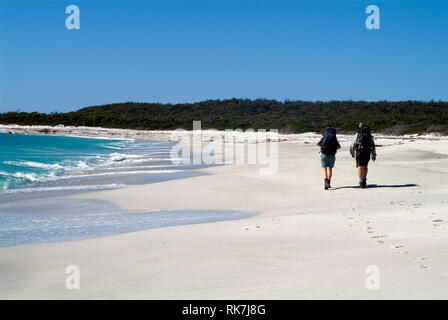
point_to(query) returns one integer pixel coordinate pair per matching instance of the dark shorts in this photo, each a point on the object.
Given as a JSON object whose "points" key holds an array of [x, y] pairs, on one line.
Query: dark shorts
{"points": [[327, 160], [362, 159]]}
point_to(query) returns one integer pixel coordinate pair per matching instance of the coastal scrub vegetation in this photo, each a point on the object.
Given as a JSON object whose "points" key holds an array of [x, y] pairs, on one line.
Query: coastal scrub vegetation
{"points": [[288, 116]]}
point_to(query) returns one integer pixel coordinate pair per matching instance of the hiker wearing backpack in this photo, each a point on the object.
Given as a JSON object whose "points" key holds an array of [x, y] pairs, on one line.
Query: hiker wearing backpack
{"points": [[328, 147], [362, 147]]}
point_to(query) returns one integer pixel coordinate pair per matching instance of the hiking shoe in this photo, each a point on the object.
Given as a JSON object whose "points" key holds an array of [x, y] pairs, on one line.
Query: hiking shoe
{"points": [[363, 183], [327, 184]]}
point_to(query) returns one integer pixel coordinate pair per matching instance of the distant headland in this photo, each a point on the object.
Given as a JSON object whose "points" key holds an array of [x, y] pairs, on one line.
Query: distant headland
{"points": [[388, 117]]}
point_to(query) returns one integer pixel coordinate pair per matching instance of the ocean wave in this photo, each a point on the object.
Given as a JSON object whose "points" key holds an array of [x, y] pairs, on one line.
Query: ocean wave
{"points": [[32, 164], [113, 173], [124, 157], [17, 179], [21, 175], [81, 165], [10, 180], [143, 167]]}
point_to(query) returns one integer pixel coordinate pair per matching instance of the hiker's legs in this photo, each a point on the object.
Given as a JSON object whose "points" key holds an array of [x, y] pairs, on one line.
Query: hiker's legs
{"points": [[327, 176], [325, 172], [362, 172], [330, 173]]}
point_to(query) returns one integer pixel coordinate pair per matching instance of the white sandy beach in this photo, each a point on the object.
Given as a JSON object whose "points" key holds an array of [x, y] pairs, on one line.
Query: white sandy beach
{"points": [[305, 243]]}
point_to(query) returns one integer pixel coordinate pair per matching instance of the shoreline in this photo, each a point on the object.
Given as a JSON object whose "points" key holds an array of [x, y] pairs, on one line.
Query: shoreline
{"points": [[164, 135]]}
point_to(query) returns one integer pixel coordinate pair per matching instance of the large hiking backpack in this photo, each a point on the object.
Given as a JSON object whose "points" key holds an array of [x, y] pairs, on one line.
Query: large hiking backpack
{"points": [[329, 144], [364, 141]]}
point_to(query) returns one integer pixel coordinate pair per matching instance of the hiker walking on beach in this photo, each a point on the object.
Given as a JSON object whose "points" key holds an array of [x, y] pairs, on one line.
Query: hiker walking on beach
{"points": [[362, 147], [328, 147]]}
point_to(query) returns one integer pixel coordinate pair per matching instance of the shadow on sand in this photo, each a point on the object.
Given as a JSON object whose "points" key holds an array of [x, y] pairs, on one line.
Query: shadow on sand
{"points": [[372, 186]]}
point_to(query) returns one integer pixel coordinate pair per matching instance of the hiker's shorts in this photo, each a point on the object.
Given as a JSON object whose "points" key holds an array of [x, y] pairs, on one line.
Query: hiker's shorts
{"points": [[362, 159], [327, 160]]}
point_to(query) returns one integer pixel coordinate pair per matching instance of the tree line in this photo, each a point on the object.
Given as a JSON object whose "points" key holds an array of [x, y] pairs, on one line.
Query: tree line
{"points": [[288, 116]]}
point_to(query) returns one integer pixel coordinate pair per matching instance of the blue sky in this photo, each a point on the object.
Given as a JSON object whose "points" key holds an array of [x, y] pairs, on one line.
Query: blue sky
{"points": [[173, 51]]}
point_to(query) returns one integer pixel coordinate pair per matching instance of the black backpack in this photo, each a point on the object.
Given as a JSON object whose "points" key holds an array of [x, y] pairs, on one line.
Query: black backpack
{"points": [[364, 141], [329, 144]]}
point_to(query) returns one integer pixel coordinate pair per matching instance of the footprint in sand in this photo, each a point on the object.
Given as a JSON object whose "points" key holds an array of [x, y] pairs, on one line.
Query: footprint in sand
{"points": [[397, 246], [369, 230], [437, 220], [423, 267], [423, 259], [380, 241], [435, 225], [401, 252], [379, 236]]}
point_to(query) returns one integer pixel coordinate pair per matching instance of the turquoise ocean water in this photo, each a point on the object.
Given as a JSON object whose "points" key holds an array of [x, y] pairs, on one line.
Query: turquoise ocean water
{"points": [[27, 160], [37, 162], [38, 172]]}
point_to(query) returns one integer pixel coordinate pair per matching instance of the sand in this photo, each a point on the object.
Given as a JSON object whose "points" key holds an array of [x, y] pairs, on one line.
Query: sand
{"points": [[305, 243]]}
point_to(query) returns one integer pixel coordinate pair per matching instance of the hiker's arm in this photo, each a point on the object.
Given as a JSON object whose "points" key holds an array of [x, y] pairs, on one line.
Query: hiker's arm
{"points": [[339, 146], [373, 149], [320, 142], [352, 146]]}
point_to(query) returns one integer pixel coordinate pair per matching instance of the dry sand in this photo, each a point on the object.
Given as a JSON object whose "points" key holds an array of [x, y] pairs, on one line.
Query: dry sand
{"points": [[305, 243]]}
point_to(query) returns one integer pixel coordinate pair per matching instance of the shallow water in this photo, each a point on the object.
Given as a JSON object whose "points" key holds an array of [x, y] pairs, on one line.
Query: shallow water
{"points": [[39, 221], [37, 173]]}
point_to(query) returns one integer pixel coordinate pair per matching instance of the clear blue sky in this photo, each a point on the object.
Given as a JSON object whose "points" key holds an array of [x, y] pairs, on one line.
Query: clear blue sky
{"points": [[190, 50]]}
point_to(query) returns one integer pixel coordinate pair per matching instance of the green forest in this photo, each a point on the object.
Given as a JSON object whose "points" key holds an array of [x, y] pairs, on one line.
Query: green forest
{"points": [[287, 116]]}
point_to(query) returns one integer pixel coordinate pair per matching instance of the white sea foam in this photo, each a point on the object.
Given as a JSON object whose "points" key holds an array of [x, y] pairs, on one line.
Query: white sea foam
{"points": [[28, 176], [80, 165], [143, 167], [65, 188], [125, 159], [113, 173], [32, 164]]}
